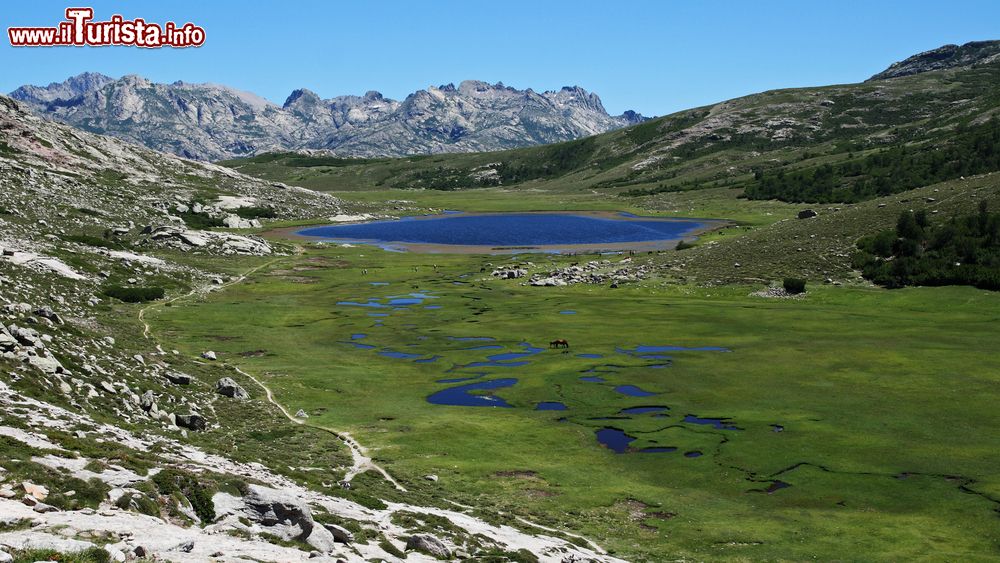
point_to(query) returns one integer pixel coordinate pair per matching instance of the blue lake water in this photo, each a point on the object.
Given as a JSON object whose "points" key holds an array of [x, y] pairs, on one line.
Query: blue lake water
{"points": [[633, 391], [550, 406], [643, 410], [717, 423], [614, 439], [460, 396], [511, 230]]}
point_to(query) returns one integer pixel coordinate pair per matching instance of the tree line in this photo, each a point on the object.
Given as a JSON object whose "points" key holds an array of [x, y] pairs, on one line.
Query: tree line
{"points": [[964, 250]]}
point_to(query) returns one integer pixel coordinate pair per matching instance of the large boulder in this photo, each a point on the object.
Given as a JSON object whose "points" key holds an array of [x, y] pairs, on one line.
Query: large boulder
{"points": [[229, 388], [286, 516], [45, 364], [178, 378], [429, 545], [191, 421], [340, 534]]}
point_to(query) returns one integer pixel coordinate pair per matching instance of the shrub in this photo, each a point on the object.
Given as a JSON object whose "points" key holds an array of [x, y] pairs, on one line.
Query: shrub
{"points": [[135, 294], [170, 481], [795, 286], [684, 245], [89, 240], [256, 213], [200, 220]]}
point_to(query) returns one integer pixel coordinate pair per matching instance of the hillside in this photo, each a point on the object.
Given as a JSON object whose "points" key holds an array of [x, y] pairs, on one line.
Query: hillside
{"points": [[854, 135], [212, 121], [116, 447]]}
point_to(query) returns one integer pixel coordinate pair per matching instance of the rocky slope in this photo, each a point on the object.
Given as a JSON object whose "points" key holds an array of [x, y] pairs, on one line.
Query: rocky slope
{"points": [[213, 122], [113, 444], [947, 56]]}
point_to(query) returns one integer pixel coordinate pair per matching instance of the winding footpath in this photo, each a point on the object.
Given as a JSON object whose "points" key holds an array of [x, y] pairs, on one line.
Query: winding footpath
{"points": [[361, 460]]}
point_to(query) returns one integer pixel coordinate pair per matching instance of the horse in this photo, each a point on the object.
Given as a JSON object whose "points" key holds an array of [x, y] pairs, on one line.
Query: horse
{"points": [[559, 343]]}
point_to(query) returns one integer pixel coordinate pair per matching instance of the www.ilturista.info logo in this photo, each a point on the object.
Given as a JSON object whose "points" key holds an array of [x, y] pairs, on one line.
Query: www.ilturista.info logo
{"points": [[78, 30]]}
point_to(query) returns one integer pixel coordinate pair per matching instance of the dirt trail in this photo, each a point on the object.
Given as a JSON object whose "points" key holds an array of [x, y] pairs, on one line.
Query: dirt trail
{"points": [[362, 462]]}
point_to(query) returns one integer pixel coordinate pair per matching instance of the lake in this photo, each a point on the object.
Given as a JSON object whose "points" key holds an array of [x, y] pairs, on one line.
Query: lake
{"points": [[516, 232]]}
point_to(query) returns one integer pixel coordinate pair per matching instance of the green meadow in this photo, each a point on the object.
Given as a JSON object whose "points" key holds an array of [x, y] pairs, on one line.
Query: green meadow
{"points": [[887, 448]]}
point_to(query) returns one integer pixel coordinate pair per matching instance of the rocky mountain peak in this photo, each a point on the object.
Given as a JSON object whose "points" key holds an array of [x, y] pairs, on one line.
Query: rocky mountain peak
{"points": [[68, 89], [300, 97], [632, 117], [947, 56], [215, 122], [135, 81]]}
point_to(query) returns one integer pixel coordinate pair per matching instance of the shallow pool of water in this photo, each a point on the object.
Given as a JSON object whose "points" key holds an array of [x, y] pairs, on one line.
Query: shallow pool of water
{"points": [[614, 439], [643, 410], [633, 391], [461, 396], [717, 423]]}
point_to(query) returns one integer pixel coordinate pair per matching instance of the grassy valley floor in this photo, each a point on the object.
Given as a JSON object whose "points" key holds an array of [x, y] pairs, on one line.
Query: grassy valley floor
{"points": [[884, 401]]}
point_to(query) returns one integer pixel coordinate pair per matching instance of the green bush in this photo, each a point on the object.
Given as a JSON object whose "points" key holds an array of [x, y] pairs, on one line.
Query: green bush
{"points": [[89, 555], [135, 294], [170, 482], [200, 220], [256, 213], [90, 240], [794, 286]]}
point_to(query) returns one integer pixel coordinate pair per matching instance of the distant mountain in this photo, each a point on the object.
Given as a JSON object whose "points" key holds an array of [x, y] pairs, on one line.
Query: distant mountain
{"points": [[66, 90], [947, 56], [213, 122]]}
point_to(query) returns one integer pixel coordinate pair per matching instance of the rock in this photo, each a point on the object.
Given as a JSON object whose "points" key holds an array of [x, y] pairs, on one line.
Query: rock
{"points": [[115, 555], [192, 421], [48, 313], [193, 239], [229, 388], [42, 508], [433, 478], [45, 364], [37, 492], [209, 355], [186, 547], [178, 378], [237, 222], [428, 544], [6, 557], [284, 514], [147, 401], [7, 342], [340, 534], [302, 414], [807, 213]]}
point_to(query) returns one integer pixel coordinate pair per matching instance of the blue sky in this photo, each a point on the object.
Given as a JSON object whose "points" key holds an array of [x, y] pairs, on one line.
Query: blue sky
{"points": [[652, 56]]}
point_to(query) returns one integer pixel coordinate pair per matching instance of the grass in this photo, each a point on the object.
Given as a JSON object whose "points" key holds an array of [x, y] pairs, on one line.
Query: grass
{"points": [[91, 555], [870, 386]]}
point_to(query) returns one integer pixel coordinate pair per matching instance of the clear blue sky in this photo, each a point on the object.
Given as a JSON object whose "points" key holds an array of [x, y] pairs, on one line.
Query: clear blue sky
{"points": [[652, 56]]}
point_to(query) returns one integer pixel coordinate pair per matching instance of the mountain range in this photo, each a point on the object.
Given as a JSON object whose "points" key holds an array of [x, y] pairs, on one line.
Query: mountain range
{"points": [[214, 122]]}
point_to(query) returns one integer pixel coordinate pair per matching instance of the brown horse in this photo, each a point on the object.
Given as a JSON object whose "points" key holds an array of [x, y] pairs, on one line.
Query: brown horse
{"points": [[560, 343]]}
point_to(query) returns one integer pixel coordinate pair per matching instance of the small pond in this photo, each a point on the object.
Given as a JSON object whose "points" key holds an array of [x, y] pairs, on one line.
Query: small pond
{"points": [[461, 396]]}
